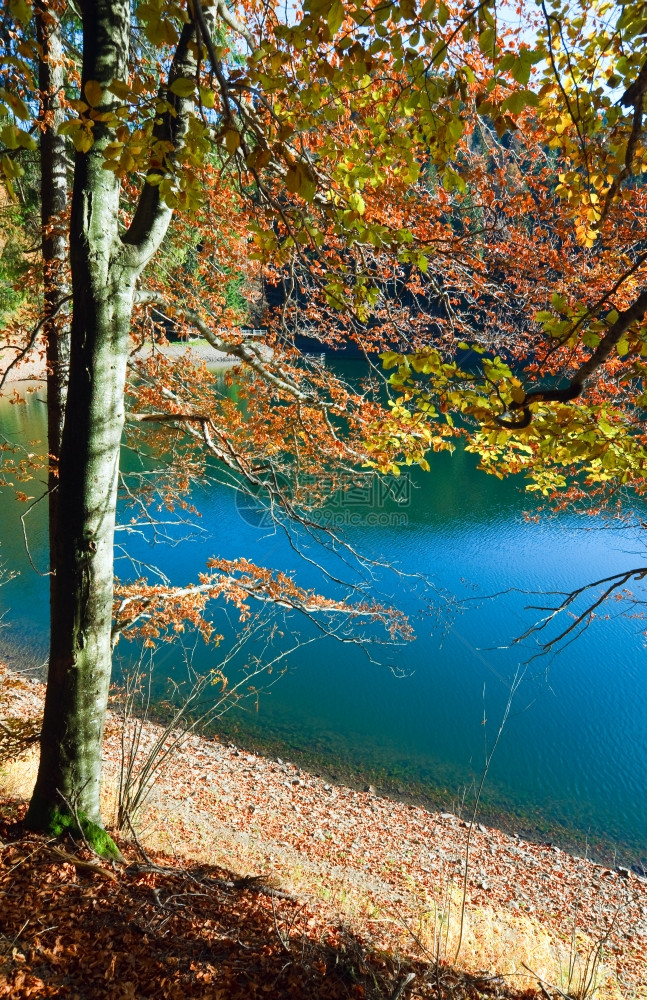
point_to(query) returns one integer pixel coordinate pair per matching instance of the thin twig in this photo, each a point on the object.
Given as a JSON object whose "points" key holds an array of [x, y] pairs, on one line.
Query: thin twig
{"points": [[402, 985]]}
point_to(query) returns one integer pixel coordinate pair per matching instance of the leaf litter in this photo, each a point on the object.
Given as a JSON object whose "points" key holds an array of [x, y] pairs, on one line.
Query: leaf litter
{"points": [[335, 893]]}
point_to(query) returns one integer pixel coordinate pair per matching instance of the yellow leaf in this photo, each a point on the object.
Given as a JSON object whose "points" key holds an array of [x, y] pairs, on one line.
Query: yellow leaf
{"points": [[21, 10], [119, 89], [82, 139], [298, 181], [113, 150], [126, 162], [183, 87], [232, 140], [16, 104], [207, 97], [93, 93]]}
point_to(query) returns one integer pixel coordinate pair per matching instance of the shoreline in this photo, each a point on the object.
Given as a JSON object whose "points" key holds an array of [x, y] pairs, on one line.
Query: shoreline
{"points": [[443, 794], [33, 368], [217, 802], [510, 821]]}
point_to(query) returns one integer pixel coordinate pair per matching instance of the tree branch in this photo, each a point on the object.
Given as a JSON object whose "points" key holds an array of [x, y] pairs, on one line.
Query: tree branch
{"points": [[584, 373], [633, 97], [611, 583], [205, 34], [247, 353], [153, 214], [230, 19], [22, 352]]}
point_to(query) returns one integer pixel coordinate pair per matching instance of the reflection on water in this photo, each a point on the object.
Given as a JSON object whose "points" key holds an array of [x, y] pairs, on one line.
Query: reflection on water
{"points": [[574, 753]]}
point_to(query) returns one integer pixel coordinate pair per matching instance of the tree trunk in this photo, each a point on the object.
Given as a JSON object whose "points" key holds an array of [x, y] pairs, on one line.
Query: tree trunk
{"points": [[69, 776], [105, 267], [53, 192]]}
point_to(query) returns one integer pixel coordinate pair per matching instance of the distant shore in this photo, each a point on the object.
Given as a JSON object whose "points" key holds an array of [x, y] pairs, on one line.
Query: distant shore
{"points": [[29, 369], [33, 367], [198, 350]]}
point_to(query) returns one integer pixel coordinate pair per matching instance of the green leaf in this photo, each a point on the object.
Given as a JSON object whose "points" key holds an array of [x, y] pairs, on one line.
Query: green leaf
{"points": [[439, 52], [519, 100], [356, 202], [487, 40], [335, 16], [521, 68], [453, 181]]}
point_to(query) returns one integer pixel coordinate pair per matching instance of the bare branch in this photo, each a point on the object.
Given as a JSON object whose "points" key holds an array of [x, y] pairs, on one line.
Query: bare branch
{"points": [[612, 584], [22, 352]]}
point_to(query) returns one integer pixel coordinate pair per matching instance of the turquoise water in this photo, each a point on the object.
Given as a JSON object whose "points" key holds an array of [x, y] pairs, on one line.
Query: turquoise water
{"points": [[572, 760]]}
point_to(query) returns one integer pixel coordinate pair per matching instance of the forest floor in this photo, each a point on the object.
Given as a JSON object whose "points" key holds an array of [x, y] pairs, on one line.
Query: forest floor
{"points": [[255, 879]]}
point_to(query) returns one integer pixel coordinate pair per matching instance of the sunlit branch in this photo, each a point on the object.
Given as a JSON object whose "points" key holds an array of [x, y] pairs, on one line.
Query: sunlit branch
{"points": [[222, 586], [584, 373]]}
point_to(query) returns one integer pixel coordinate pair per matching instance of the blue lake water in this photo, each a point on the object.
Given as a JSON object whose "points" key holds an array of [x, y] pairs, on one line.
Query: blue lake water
{"points": [[572, 762]]}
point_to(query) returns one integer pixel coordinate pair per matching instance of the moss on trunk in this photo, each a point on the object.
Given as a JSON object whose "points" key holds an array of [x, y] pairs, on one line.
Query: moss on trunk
{"points": [[56, 822]]}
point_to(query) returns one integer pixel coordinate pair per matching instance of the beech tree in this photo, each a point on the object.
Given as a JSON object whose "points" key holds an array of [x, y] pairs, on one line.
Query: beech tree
{"points": [[105, 265], [164, 119], [416, 177]]}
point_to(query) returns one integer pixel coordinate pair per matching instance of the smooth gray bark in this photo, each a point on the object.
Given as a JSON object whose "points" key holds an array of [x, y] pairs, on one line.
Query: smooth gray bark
{"points": [[82, 539], [105, 267]]}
